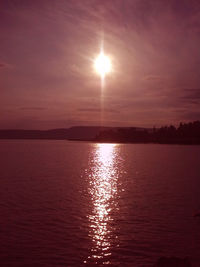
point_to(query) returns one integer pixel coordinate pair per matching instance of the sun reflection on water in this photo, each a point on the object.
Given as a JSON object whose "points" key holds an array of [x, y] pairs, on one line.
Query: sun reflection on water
{"points": [[103, 193]]}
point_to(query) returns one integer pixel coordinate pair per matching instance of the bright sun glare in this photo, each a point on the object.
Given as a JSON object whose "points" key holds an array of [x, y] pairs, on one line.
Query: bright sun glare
{"points": [[102, 64]]}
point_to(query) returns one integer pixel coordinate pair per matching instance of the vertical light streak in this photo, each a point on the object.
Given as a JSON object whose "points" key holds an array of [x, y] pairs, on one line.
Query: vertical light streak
{"points": [[103, 191]]}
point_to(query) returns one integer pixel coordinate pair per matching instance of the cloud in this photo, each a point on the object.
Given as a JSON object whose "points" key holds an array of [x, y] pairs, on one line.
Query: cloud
{"points": [[97, 110], [3, 65], [191, 116], [154, 46], [191, 95], [32, 108], [153, 78]]}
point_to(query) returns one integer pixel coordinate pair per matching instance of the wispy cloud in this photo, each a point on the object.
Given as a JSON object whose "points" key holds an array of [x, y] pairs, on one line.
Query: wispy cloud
{"points": [[98, 110], [3, 65], [33, 108], [154, 47]]}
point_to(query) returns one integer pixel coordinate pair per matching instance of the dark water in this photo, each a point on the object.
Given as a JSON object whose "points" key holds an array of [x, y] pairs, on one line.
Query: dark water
{"points": [[80, 204]]}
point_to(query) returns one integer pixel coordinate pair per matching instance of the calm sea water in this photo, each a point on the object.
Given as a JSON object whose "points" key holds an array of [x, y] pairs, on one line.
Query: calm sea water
{"points": [[80, 204]]}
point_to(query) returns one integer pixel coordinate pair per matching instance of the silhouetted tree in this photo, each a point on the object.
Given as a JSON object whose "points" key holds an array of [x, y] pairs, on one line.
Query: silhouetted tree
{"points": [[185, 133]]}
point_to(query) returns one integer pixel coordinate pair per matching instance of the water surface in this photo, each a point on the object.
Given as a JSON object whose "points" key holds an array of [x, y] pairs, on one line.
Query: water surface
{"points": [[80, 204]]}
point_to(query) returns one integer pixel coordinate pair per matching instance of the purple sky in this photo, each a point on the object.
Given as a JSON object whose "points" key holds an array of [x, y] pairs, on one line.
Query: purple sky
{"points": [[46, 70]]}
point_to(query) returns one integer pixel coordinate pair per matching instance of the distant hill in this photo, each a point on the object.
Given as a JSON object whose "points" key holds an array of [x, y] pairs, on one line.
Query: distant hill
{"points": [[73, 133], [85, 132], [185, 133]]}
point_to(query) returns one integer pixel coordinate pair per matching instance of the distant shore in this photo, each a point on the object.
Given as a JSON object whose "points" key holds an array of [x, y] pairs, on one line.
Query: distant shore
{"points": [[184, 134], [132, 142], [105, 141]]}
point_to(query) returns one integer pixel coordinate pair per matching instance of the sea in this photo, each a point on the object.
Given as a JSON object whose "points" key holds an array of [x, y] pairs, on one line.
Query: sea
{"points": [[68, 203]]}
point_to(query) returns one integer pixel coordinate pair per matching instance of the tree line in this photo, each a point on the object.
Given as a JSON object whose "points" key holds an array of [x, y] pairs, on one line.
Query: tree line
{"points": [[185, 133]]}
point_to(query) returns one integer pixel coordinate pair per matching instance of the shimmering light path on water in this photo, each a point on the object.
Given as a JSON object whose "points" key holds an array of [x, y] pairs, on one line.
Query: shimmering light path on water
{"points": [[85, 204], [103, 192]]}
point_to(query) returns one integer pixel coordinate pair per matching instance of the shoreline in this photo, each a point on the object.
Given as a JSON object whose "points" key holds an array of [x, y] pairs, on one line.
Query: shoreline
{"points": [[107, 141]]}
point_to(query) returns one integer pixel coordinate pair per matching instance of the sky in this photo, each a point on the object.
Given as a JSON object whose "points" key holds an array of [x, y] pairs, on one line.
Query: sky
{"points": [[47, 49]]}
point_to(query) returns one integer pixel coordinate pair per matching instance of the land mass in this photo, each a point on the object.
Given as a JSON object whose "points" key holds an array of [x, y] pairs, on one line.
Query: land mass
{"points": [[185, 133]]}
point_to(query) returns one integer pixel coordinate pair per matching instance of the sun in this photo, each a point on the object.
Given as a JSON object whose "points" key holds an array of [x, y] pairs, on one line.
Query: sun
{"points": [[102, 64]]}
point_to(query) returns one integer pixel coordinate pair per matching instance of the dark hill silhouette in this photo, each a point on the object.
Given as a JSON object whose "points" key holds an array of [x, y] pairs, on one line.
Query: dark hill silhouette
{"points": [[85, 132], [185, 133], [73, 133]]}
